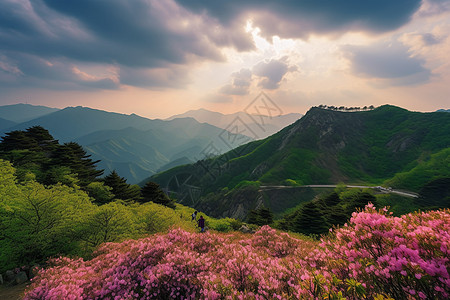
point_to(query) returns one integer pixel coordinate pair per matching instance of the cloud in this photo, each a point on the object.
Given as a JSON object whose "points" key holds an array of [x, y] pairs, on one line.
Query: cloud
{"points": [[272, 72], [292, 19], [152, 43], [267, 73], [33, 71], [130, 35], [431, 8], [240, 83], [390, 63]]}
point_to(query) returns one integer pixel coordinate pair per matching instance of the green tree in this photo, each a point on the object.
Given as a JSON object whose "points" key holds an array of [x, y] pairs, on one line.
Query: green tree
{"points": [[261, 216], [110, 222], [72, 155], [37, 222], [358, 200], [253, 217], [100, 192], [152, 192], [310, 220], [121, 189]]}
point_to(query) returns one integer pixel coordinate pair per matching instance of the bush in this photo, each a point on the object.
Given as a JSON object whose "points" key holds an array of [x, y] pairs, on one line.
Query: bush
{"points": [[374, 256]]}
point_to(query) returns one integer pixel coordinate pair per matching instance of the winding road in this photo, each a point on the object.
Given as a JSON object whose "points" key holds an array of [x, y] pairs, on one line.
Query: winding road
{"points": [[379, 188]]}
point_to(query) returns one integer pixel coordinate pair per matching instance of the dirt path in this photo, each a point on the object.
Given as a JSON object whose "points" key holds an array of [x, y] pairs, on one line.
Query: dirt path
{"points": [[12, 292]]}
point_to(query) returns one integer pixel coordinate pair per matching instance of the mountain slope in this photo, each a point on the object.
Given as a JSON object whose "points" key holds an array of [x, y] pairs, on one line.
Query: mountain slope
{"points": [[19, 113], [262, 126], [138, 145], [4, 124], [323, 147]]}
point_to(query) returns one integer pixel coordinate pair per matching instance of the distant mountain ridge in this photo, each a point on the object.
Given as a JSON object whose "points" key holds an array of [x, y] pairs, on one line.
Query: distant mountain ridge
{"points": [[323, 147], [6, 123], [265, 126], [134, 146], [21, 112]]}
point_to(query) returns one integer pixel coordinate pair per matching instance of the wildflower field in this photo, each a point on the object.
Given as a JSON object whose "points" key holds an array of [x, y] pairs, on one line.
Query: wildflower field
{"points": [[373, 256]]}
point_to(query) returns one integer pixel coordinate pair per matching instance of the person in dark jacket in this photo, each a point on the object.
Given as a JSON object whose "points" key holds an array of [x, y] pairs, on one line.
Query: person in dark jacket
{"points": [[201, 223]]}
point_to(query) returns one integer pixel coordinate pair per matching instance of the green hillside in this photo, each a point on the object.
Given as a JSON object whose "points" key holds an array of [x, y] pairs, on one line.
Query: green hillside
{"points": [[324, 147]]}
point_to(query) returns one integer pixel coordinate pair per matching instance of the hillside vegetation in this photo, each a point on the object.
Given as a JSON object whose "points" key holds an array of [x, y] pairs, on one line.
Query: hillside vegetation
{"points": [[324, 147], [375, 256], [52, 202]]}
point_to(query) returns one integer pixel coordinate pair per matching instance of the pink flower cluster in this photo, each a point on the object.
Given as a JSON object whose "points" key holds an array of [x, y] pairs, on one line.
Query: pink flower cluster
{"points": [[400, 257], [375, 255]]}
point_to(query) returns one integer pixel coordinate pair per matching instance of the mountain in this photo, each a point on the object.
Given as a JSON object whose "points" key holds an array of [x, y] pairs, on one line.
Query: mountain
{"points": [[323, 147], [19, 113], [262, 126], [443, 110], [136, 147], [6, 123]]}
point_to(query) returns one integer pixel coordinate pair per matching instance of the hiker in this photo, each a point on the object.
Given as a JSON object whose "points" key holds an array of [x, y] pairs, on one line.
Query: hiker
{"points": [[194, 216], [201, 223]]}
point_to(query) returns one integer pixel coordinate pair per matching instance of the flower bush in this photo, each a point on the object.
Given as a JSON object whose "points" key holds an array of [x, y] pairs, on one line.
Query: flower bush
{"points": [[374, 256]]}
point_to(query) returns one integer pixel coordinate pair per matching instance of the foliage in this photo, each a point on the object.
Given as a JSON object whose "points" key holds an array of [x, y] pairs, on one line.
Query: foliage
{"points": [[316, 216], [37, 222], [375, 256], [152, 192], [35, 150], [121, 189], [325, 147], [260, 216], [435, 167], [100, 192], [435, 193]]}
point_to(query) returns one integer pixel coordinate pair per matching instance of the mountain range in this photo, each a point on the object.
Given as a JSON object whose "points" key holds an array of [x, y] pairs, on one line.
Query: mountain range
{"points": [[261, 125], [134, 146], [21, 112], [323, 147]]}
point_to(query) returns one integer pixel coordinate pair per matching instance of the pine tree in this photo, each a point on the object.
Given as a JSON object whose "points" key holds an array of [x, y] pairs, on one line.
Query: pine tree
{"points": [[359, 201], [265, 215], [121, 189], [252, 217], [152, 192], [260, 216], [310, 220], [72, 155]]}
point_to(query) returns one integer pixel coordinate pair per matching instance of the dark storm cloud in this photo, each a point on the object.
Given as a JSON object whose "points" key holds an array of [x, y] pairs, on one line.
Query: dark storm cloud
{"points": [[390, 62], [300, 18], [157, 35], [162, 35]]}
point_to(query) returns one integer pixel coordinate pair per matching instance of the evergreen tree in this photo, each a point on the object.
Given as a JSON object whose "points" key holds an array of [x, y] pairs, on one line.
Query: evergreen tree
{"points": [[120, 188], [310, 220], [42, 139], [152, 192], [337, 216], [252, 217], [261, 216], [75, 157], [359, 201], [265, 215]]}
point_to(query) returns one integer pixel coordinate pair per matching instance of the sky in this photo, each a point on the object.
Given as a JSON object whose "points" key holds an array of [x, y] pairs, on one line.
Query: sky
{"points": [[159, 58]]}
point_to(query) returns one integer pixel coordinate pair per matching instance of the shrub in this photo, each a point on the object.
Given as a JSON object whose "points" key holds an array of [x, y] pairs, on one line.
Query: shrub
{"points": [[374, 256]]}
